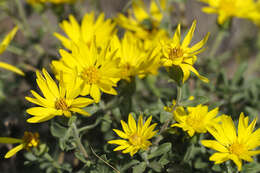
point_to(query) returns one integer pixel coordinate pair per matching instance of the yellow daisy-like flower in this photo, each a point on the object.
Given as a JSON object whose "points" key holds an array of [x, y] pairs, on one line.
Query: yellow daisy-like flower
{"points": [[136, 136], [197, 119], [142, 21], [28, 141], [3, 45], [145, 23], [133, 59], [95, 68], [100, 29], [59, 100], [175, 53], [232, 145], [34, 2], [230, 8]]}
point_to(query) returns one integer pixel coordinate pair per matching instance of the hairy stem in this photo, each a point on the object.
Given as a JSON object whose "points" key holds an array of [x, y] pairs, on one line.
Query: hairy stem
{"points": [[166, 124], [78, 141]]}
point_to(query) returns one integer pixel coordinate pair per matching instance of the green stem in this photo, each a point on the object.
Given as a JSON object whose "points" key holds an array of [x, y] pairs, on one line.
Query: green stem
{"points": [[21, 12], [78, 141], [217, 43], [166, 124]]}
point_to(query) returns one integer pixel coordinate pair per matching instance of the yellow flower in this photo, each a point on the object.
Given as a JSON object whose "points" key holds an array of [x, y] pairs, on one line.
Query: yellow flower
{"points": [[144, 24], [175, 53], [95, 68], [59, 100], [197, 119], [34, 2], [100, 29], [142, 21], [230, 8], [28, 141], [133, 59], [232, 145], [3, 45], [136, 136]]}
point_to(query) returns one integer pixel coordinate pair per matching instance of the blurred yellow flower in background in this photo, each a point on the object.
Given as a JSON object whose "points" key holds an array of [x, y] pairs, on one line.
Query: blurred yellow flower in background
{"points": [[3, 45], [96, 69], [175, 53], [28, 141], [230, 8], [100, 29], [134, 61], [135, 136], [140, 20], [59, 100], [34, 2], [145, 23], [197, 119], [231, 144]]}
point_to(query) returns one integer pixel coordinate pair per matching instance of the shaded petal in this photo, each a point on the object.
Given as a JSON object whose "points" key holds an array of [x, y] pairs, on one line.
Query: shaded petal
{"points": [[7, 140], [189, 36], [219, 157]]}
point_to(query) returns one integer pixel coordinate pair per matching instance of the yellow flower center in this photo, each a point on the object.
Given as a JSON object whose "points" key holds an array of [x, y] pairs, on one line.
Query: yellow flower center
{"points": [[61, 104], [126, 70], [135, 139], [90, 75], [195, 123], [176, 52], [237, 148], [30, 139]]}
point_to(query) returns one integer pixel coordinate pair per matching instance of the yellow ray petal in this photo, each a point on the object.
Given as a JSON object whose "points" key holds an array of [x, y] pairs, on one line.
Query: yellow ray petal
{"points": [[14, 151], [11, 68]]}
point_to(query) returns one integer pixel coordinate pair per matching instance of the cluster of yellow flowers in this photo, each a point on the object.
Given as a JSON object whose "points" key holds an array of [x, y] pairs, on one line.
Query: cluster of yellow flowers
{"points": [[231, 144], [95, 59], [226, 9]]}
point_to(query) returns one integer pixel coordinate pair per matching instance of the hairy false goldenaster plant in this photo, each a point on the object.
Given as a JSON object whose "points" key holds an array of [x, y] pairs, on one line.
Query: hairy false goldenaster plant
{"points": [[195, 119], [28, 141], [134, 61], [231, 8], [135, 136], [99, 29], [58, 100], [232, 144], [97, 70], [175, 53]]}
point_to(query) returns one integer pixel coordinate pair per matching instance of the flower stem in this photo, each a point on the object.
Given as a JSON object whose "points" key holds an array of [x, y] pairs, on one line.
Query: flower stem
{"points": [[78, 142], [21, 12], [166, 124]]}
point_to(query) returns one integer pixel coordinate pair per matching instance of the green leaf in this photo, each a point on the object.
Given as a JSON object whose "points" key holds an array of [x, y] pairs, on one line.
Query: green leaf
{"points": [[139, 168], [156, 166], [239, 73], [198, 100], [251, 168], [164, 148], [57, 130], [128, 165], [175, 73]]}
